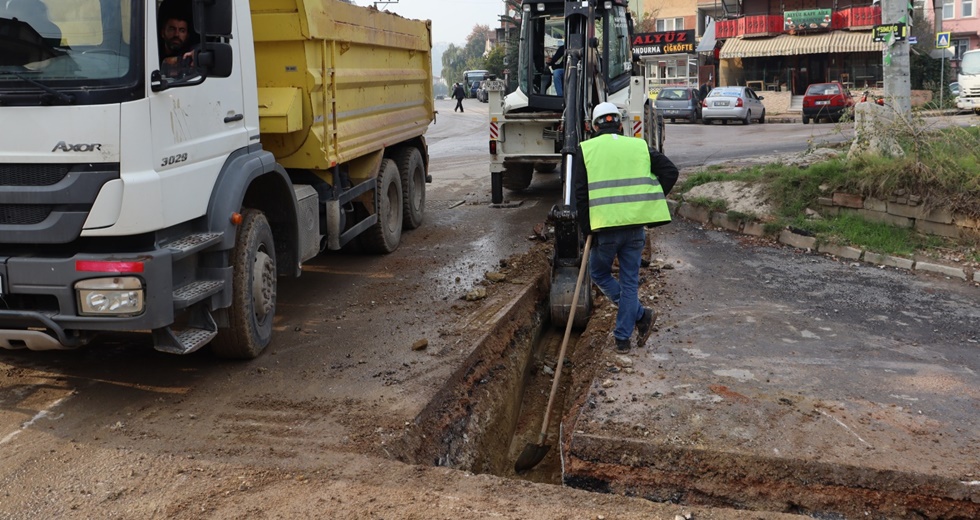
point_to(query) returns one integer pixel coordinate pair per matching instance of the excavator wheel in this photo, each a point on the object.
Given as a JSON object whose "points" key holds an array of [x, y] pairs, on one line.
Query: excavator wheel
{"points": [[545, 166], [517, 177], [653, 127], [563, 280]]}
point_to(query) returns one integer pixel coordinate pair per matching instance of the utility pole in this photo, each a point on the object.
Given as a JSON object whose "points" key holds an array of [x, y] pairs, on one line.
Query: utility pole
{"points": [[937, 14], [895, 58]]}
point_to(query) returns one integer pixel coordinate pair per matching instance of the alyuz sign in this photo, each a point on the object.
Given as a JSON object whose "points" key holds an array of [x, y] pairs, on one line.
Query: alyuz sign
{"points": [[666, 42]]}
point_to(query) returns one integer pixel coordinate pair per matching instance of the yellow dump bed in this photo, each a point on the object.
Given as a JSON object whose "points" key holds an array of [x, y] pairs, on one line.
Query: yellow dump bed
{"points": [[337, 82]]}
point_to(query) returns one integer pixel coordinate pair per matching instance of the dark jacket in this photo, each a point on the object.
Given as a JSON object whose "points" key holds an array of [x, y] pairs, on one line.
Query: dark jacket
{"points": [[458, 92], [558, 59], [660, 167]]}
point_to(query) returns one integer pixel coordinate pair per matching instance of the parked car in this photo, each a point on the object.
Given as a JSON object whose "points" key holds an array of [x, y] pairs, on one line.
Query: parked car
{"points": [[732, 104], [831, 101], [679, 103], [481, 92]]}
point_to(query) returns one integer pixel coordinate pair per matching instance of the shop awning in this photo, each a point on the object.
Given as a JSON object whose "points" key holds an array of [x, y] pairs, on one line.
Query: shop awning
{"points": [[859, 41], [791, 45], [707, 43]]}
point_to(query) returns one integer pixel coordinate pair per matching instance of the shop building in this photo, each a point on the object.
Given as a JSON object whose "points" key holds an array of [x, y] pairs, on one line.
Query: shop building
{"points": [[785, 46], [668, 59]]}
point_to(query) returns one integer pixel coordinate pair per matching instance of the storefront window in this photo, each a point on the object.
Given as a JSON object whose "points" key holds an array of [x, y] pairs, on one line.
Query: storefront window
{"points": [[677, 69]]}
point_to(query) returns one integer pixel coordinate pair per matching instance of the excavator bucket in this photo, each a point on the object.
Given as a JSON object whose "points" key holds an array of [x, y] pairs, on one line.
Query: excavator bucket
{"points": [[563, 280]]}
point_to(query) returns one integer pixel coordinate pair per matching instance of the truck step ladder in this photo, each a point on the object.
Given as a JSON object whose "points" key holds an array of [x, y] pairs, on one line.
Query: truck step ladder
{"points": [[200, 330], [189, 294], [190, 244]]}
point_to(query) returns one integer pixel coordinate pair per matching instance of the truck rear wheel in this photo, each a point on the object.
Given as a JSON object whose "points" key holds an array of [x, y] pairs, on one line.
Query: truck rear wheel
{"points": [[385, 235], [517, 177], [253, 303], [412, 172]]}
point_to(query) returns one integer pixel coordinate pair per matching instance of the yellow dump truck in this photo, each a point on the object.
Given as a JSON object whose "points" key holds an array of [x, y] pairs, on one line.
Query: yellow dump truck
{"points": [[150, 182]]}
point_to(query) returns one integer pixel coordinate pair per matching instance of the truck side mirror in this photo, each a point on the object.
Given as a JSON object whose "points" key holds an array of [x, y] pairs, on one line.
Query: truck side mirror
{"points": [[216, 19], [216, 59]]}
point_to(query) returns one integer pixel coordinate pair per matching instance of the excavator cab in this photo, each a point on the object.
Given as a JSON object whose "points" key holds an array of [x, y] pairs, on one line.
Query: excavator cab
{"points": [[597, 30], [542, 33]]}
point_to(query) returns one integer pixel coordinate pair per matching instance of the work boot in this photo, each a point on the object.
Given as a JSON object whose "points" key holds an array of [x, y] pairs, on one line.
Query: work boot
{"points": [[645, 325], [622, 346]]}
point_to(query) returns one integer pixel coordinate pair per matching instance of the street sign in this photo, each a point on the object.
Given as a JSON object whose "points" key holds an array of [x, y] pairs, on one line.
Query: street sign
{"points": [[913, 40], [942, 40], [880, 33]]}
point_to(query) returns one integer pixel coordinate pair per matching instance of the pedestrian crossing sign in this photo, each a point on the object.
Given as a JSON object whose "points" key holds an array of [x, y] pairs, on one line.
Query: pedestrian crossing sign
{"points": [[942, 40]]}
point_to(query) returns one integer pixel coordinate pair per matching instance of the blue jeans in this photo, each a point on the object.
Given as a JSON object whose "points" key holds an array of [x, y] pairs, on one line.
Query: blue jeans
{"points": [[627, 245], [559, 76]]}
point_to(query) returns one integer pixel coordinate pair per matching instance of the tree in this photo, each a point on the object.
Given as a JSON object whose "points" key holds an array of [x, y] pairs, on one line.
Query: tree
{"points": [[924, 70], [453, 64], [494, 62], [647, 22], [476, 42], [456, 60]]}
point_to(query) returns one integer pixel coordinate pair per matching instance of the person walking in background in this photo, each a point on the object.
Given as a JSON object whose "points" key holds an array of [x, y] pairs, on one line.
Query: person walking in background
{"points": [[459, 94], [621, 186]]}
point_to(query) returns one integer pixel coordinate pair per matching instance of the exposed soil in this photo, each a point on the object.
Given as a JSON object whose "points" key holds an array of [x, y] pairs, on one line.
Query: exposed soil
{"points": [[178, 447]]}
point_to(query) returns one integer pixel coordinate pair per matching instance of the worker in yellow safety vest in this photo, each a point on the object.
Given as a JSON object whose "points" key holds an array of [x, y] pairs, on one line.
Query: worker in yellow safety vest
{"points": [[621, 186]]}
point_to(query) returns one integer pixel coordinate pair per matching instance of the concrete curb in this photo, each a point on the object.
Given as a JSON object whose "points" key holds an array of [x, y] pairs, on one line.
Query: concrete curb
{"points": [[810, 244]]}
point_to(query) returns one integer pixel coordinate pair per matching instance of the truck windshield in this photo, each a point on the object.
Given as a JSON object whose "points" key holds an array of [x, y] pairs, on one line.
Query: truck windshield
{"points": [[970, 64], [73, 45]]}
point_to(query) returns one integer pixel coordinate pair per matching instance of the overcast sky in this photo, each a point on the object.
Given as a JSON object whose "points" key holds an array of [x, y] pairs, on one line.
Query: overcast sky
{"points": [[452, 20]]}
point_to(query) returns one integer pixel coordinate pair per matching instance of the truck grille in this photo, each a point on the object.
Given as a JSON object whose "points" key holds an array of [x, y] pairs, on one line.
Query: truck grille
{"points": [[32, 174], [48, 203], [23, 215]]}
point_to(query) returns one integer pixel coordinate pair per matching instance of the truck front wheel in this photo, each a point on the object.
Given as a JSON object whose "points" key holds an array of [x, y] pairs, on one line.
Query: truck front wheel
{"points": [[253, 304], [386, 234]]}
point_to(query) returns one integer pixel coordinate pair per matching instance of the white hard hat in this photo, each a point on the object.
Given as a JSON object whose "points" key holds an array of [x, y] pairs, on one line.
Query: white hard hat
{"points": [[604, 109]]}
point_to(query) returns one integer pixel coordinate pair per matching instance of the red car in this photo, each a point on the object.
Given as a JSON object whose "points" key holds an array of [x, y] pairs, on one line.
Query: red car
{"points": [[827, 100]]}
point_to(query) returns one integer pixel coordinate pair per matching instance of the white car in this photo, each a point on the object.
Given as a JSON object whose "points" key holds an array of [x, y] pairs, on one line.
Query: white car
{"points": [[732, 104]]}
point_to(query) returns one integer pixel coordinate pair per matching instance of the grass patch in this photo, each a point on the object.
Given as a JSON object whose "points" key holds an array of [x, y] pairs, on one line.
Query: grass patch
{"points": [[711, 204], [940, 169], [875, 236], [753, 174]]}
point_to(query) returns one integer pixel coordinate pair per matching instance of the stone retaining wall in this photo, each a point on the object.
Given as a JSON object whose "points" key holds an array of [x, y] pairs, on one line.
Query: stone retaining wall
{"points": [[903, 210]]}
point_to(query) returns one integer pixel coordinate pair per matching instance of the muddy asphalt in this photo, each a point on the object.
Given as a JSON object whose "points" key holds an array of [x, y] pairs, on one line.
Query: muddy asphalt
{"points": [[785, 381], [778, 383]]}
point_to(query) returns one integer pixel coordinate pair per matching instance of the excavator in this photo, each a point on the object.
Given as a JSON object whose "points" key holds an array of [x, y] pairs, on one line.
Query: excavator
{"points": [[534, 128]]}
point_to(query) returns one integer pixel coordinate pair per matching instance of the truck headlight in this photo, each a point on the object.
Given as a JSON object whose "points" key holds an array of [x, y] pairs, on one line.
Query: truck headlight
{"points": [[118, 296]]}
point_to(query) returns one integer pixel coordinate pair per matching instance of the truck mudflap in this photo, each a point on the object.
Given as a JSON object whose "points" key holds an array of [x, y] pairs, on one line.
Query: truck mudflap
{"points": [[57, 323]]}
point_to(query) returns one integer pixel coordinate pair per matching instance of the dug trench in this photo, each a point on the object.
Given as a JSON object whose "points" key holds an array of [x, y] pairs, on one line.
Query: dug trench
{"points": [[492, 407]]}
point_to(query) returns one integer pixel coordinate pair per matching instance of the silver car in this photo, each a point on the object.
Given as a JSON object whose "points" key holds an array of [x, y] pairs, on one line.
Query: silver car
{"points": [[732, 104]]}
